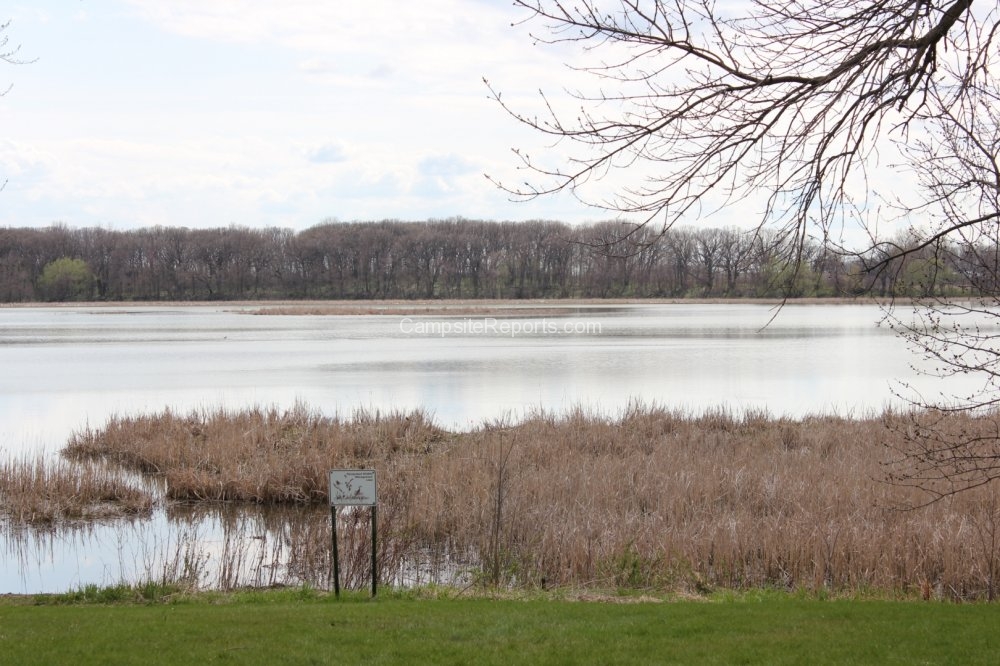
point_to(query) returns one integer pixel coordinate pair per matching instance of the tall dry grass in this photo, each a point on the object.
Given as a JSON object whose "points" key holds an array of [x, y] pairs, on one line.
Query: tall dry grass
{"points": [[654, 498], [44, 492], [661, 499], [264, 456]]}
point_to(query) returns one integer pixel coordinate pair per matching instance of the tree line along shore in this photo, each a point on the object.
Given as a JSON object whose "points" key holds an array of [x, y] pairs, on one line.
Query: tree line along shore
{"points": [[456, 259]]}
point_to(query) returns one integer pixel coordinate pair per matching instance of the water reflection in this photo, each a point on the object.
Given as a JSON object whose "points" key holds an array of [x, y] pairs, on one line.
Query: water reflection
{"points": [[67, 368], [214, 546]]}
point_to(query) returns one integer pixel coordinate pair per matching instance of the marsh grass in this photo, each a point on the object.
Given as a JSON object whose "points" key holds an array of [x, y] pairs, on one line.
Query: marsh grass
{"points": [[264, 456], [43, 492], [652, 499]]}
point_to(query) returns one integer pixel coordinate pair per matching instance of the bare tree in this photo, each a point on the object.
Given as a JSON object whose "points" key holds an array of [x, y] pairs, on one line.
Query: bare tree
{"points": [[959, 173], [807, 105], [787, 100], [9, 54]]}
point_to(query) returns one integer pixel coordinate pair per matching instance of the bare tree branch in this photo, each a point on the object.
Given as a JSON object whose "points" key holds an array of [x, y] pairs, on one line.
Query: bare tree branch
{"points": [[793, 102], [788, 99]]}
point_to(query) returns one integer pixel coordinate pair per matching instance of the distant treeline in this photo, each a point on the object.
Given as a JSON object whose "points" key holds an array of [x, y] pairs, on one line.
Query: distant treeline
{"points": [[454, 258]]}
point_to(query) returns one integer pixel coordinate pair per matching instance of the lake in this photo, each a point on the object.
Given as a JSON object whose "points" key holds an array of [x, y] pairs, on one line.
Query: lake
{"points": [[65, 368]]}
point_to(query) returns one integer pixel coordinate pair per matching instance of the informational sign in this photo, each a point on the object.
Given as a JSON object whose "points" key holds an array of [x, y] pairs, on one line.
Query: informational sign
{"points": [[352, 487]]}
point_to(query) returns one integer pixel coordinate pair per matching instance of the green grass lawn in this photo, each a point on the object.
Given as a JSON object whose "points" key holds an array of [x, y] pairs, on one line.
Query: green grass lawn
{"points": [[306, 628]]}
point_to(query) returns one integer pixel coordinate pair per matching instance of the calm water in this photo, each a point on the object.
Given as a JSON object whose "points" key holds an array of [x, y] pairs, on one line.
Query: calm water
{"points": [[64, 368]]}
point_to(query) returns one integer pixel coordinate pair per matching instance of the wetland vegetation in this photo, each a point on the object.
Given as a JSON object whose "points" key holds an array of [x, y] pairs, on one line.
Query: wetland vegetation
{"points": [[654, 499]]}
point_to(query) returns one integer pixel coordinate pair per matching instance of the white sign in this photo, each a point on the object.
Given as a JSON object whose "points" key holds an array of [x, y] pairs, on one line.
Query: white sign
{"points": [[352, 487]]}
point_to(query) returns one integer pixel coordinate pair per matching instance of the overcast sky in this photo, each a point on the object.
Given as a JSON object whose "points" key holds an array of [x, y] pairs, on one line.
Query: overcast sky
{"points": [[205, 113]]}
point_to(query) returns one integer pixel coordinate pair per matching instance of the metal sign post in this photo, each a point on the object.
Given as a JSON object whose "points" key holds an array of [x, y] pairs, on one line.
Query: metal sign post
{"points": [[352, 487]]}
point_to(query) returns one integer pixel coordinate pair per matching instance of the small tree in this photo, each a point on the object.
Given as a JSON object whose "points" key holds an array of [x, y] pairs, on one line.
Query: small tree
{"points": [[952, 442], [66, 279]]}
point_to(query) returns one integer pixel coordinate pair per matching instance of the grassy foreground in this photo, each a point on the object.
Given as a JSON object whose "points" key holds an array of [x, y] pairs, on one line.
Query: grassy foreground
{"points": [[303, 627]]}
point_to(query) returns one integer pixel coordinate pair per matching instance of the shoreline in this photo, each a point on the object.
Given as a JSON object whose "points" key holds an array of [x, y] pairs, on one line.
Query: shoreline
{"points": [[444, 307]]}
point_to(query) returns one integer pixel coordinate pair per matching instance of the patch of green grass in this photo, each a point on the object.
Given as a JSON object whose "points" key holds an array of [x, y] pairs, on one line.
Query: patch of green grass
{"points": [[303, 626], [149, 592]]}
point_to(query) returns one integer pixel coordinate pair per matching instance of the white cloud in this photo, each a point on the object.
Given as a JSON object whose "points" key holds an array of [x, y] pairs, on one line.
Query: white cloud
{"points": [[329, 152], [446, 33], [211, 112], [446, 165], [23, 162]]}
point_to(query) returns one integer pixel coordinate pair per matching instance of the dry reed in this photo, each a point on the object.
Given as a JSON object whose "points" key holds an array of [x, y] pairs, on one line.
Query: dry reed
{"points": [[652, 499], [45, 492], [263, 456]]}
